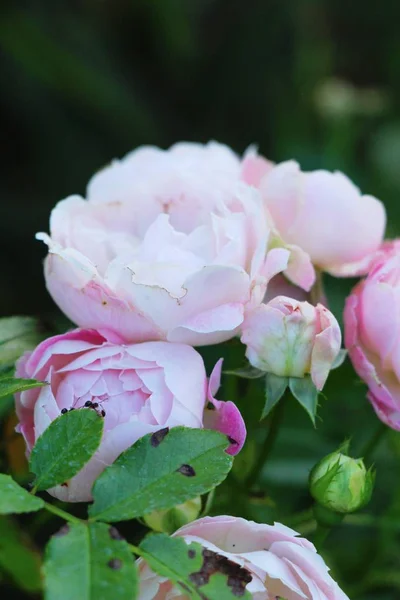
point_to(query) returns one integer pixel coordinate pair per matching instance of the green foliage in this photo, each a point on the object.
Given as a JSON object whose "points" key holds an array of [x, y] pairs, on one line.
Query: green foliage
{"points": [[306, 393], [198, 572], [18, 558], [17, 334], [159, 471], [65, 447], [275, 387], [90, 562], [14, 499], [11, 385]]}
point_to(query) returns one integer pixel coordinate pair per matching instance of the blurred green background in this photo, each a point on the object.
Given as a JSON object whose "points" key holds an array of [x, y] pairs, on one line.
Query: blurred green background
{"points": [[85, 81]]}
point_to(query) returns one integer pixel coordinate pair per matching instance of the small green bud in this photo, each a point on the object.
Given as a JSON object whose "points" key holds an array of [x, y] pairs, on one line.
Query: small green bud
{"points": [[341, 483], [168, 521]]}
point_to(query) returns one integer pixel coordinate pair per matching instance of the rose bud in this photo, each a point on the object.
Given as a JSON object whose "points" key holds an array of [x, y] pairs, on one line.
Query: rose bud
{"points": [[136, 388], [155, 231], [268, 561], [340, 483], [290, 338], [323, 213], [168, 521], [372, 335]]}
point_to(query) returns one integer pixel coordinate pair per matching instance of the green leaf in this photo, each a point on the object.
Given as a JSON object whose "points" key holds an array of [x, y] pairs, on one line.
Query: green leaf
{"points": [[65, 447], [17, 334], [198, 572], [89, 561], [11, 385], [275, 387], [306, 393], [161, 470], [247, 372], [18, 558], [14, 499]]}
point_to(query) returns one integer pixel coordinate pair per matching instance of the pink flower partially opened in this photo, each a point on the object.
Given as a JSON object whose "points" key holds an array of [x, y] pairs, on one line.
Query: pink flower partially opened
{"points": [[136, 388], [320, 212], [291, 338], [372, 333], [168, 245], [277, 563]]}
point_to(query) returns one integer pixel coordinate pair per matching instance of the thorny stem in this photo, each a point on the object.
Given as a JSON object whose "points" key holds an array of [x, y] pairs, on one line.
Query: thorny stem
{"points": [[268, 445]]}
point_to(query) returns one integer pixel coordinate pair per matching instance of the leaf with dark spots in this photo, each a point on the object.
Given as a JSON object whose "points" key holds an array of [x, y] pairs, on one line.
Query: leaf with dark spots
{"points": [[88, 563], [200, 573], [146, 478], [115, 534], [115, 563], [187, 470], [158, 436]]}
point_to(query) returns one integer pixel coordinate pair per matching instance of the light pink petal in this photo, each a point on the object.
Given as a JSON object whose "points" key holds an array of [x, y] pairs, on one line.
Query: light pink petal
{"points": [[300, 269], [326, 347], [254, 168]]}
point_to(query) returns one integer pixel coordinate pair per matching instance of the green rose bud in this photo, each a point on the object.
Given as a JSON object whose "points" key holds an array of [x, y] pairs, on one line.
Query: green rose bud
{"points": [[168, 521], [340, 483]]}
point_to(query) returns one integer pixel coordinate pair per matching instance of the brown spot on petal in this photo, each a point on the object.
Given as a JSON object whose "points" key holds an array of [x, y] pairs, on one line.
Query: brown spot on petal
{"points": [[115, 564], [158, 437], [187, 470]]}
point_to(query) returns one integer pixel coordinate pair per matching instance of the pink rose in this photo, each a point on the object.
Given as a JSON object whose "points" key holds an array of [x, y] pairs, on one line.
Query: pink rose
{"points": [[168, 245], [291, 338], [137, 388], [372, 334], [323, 213], [280, 564]]}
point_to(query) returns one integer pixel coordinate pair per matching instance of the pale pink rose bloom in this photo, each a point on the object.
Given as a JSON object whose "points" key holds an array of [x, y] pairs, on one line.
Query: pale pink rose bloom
{"points": [[280, 564], [291, 338], [168, 245], [372, 334], [141, 388], [323, 213]]}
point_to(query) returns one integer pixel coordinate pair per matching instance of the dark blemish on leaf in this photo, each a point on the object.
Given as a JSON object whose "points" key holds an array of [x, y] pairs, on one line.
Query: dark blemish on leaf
{"points": [[191, 553], [184, 586], [187, 470], [115, 534], [232, 441], [115, 564], [238, 577], [88, 403], [64, 411], [63, 531], [158, 437]]}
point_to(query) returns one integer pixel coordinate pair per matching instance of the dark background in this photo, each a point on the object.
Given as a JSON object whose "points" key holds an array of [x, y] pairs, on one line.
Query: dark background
{"points": [[85, 81]]}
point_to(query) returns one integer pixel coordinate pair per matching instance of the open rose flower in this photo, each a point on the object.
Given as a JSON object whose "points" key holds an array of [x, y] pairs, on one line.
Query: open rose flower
{"points": [[372, 333], [323, 213], [291, 338], [274, 562], [168, 245], [136, 388]]}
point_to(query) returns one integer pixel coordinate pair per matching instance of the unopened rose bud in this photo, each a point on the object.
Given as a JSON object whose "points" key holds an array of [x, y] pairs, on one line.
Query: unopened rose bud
{"points": [[340, 483], [290, 338], [168, 521]]}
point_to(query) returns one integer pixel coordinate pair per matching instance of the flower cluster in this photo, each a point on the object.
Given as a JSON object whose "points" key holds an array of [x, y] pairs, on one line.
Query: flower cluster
{"points": [[189, 247]]}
